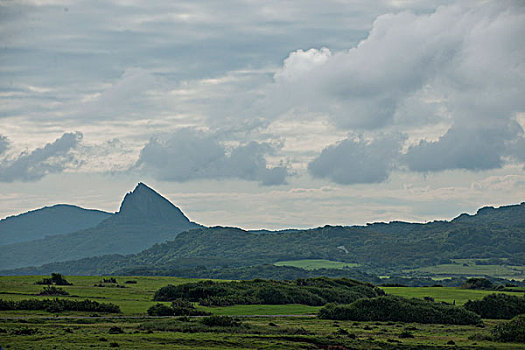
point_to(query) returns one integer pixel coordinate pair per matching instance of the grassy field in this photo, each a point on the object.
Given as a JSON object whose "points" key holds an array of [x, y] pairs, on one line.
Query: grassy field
{"points": [[468, 268], [80, 330], [252, 333], [314, 264], [447, 294], [134, 299]]}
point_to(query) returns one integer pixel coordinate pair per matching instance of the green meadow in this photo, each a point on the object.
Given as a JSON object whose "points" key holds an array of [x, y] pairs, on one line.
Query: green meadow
{"points": [[315, 264], [469, 268], [260, 326]]}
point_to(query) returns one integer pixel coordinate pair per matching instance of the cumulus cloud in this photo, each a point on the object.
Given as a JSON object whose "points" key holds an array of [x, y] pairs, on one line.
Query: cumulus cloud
{"points": [[4, 144], [465, 148], [52, 158], [189, 154], [357, 161], [461, 65]]}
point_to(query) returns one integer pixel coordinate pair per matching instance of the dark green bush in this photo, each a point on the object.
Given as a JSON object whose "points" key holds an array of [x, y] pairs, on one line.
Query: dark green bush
{"points": [[311, 291], [179, 307], [398, 309], [160, 310], [221, 321], [478, 283], [115, 330], [497, 305], [512, 331], [56, 278], [58, 305], [53, 291]]}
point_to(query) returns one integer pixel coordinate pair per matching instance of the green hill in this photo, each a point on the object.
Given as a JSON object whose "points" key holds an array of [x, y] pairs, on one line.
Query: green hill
{"points": [[394, 246]]}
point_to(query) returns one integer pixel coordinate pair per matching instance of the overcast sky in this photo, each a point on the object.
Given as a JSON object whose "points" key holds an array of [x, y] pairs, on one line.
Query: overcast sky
{"points": [[264, 114]]}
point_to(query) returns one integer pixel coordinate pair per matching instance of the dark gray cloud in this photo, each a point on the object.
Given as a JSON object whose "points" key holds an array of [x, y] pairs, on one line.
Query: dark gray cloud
{"points": [[357, 161], [52, 158], [461, 148], [189, 154]]}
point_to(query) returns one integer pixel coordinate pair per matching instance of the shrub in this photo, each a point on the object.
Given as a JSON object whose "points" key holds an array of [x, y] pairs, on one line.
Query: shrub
{"points": [[398, 309], [311, 291], [58, 305], [478, 283], [406, 334], [160, 310], [221, 321], [179, 307], [131, 282], [53, 291], [115, 330], [56, 278], [25, 331], [512, 331], [497, 305]]}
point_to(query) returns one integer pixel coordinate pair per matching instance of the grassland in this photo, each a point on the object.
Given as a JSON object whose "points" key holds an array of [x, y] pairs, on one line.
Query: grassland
{"points": [[446, 294], [78, 330], [469, 268], [315, 264]]}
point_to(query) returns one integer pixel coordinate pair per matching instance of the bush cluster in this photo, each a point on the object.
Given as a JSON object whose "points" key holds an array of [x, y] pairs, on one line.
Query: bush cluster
{"points": [[53, 291], [512, 331], [398, 309], [58, 305], [220, 321], [310, 291], [178, 307], [56, 278], [497, 305]]}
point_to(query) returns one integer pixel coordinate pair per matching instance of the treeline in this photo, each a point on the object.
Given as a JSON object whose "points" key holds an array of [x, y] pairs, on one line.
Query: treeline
{"points": [[59, 305], [398, 309], [311, 291]]}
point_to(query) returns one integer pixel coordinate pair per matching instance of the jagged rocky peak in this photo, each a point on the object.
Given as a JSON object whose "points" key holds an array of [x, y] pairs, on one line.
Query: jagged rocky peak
{"points": [[143, 203]]}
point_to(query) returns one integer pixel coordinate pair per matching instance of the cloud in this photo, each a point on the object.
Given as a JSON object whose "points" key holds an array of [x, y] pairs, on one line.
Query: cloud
{"points": [[52, 158], [461, 66], [464, 148], [4, 144], [189, 154], [357, 161]]}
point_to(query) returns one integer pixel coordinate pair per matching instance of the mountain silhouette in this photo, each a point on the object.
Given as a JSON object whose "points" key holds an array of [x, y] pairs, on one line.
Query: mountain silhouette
{"points": [[144, 218], [48, 221]]}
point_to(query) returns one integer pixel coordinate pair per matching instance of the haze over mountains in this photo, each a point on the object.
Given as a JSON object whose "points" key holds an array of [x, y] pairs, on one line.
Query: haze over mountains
{"points": [[144, 218], [148, 228]]}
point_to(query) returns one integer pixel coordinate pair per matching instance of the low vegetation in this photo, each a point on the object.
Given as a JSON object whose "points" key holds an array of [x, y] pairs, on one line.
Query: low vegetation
{"points": [[56, 278], [512, 331], [178, 307], [53, 291], [497, 305], [311, 291], [58, 305], [391, 308]]}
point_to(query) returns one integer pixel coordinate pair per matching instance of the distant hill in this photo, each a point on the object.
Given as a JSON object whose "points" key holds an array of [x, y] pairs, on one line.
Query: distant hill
{"points": [[144, 218], [48, 221], [381, 246]]}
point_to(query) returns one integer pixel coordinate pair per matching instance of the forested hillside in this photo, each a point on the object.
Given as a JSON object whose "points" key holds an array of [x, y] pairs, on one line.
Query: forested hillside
{"points": [[492, 233]]}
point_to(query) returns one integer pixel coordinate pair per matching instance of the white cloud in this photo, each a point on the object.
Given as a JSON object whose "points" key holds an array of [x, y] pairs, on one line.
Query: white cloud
{"points": [[52, 158]]}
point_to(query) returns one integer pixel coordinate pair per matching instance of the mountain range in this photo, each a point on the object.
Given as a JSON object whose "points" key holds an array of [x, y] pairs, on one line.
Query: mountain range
{"points": [[149, 235], [144, 218]]}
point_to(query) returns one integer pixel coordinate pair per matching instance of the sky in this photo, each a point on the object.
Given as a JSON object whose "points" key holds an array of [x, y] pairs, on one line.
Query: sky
{"points": [[264, 114]]}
